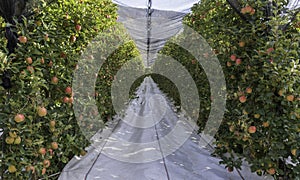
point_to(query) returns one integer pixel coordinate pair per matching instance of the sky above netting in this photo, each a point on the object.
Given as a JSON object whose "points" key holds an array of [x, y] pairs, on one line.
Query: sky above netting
{"points": [[178, 5], [166, 5]]}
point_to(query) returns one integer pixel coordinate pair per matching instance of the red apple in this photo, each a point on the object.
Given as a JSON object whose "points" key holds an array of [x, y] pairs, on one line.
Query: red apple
{"points": [[54, 80], [252, 129], [22, 39], [71, 100], [78, 27], [44, 171], [243, 11], [50, 64], [68, 90], [54, 145], [248, 9], [233, 57], [269, 50], [42, 151], [42, 60], [290, 97], [29, 60], [42, 111], [66, 99], [19, 118], [72, 38], [249, 90], [30, 168], [243, 99], [238, 61], [30, 69], [242, 44], [46, 163], [50, 151]]}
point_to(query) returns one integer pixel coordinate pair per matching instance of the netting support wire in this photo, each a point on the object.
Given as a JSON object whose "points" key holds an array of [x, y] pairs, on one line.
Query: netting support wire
{"points": [[149, 12]]}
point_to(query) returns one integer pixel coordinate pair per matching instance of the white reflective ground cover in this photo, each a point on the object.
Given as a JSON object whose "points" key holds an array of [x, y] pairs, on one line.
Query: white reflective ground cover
{"points": [[110, 157]]}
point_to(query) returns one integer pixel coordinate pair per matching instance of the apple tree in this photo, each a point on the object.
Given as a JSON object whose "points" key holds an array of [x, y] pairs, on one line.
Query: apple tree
{"points": [[41, 133], [257, 44]]}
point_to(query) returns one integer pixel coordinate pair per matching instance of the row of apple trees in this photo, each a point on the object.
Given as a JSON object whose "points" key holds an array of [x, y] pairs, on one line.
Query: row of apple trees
{"points": [[257, 44], [41, 132]]}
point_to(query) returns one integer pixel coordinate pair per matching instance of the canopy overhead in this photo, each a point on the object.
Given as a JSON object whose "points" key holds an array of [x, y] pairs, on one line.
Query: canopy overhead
{"points": [[182, 6], [151, 23]]}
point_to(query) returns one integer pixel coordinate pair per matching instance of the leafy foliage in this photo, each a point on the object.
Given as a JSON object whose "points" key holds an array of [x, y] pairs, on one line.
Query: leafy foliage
{"points": [[41, 133], [260, 58], [266, 73]]}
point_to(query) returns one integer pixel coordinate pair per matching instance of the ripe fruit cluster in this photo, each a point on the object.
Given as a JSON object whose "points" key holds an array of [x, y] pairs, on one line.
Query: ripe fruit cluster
{"points": [[69, 97], [234, 58]]}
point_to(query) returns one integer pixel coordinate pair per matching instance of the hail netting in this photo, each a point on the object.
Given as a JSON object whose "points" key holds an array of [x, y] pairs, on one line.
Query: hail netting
{"points": [[152, 23]]}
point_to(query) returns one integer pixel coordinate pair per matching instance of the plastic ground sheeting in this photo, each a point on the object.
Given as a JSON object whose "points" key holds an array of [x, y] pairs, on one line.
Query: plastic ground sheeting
{"points": [[132, 149]]}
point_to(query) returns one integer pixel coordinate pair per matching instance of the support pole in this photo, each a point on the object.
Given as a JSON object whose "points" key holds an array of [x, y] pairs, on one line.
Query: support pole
{"points": [[149, 12]]}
